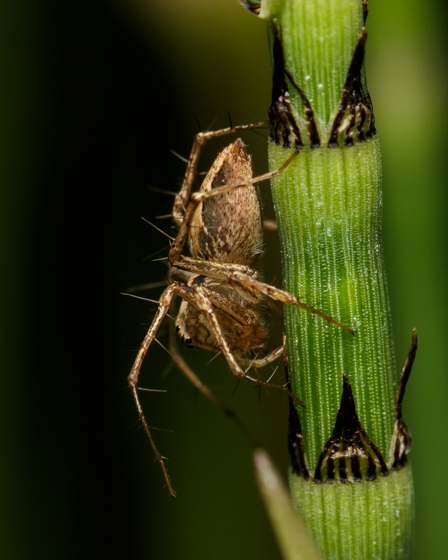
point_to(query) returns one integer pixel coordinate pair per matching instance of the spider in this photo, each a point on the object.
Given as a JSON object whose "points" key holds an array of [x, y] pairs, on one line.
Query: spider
{"points": [[221, 289]]}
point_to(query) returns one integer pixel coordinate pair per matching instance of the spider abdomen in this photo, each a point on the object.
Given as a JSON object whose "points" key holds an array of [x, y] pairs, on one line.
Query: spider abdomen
{"points": [[228, 228]]}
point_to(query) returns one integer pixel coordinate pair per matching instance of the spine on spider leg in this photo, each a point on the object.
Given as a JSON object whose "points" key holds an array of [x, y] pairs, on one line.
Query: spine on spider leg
{"points": [[357, 498]]}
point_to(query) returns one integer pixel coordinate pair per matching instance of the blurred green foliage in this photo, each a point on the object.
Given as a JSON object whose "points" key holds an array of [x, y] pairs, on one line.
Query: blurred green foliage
{"points": [[93, 97]]}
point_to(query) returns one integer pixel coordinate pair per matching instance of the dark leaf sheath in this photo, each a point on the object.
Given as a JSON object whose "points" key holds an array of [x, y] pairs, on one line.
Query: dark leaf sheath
{"points": [[349, 455], [296, 447], [402, 439]]}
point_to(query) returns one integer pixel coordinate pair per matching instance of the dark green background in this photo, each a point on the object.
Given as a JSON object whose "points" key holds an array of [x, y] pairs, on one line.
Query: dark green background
{"points": [[93, 97]]}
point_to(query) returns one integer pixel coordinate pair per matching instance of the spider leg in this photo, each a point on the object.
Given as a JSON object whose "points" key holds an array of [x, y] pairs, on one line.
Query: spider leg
{"points": [[239, 279], [180, 202], [176, 288], [270, 225], [203, 302], [261, 362]]}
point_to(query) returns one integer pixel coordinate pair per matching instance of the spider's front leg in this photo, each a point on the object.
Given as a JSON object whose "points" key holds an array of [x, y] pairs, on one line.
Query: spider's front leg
{"points": [[241, 280]]}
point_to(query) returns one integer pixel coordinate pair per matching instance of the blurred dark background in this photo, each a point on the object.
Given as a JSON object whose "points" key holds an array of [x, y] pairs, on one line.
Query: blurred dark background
{"points": [[94, 95]]}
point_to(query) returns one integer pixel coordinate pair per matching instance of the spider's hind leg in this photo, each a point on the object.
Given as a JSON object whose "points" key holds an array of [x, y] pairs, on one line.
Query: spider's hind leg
{"points": [[204, 304]]}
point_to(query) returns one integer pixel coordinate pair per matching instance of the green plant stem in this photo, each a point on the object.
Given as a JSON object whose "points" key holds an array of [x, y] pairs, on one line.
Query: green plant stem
{"points": [[328, 209], [328, 206]]}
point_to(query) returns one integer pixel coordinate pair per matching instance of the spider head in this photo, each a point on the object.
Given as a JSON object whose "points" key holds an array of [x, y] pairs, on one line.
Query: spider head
{"points": [[182, 332]]}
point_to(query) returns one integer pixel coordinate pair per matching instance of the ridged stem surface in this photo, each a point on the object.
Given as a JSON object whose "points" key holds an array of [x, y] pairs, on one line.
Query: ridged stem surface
{"points": [[328, 207], [359, 521]]}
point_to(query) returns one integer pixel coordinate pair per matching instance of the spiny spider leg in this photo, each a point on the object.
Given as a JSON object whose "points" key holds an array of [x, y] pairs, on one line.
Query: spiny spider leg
{"points": [[261, 362], [180, 201], [165, 302], [243, 316], [245, 281], [164, 305]]}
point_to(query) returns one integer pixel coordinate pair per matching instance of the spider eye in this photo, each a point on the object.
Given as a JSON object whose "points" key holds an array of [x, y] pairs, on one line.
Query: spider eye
{"points": [[177, 328], [189, 341]]}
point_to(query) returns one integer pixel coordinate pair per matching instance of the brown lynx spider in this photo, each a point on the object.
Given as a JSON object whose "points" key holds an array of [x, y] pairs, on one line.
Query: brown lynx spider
{"points": [[223, 225]]}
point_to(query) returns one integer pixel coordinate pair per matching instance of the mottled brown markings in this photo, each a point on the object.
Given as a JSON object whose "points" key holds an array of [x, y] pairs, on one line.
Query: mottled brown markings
{"points": [[296, 445], [402, 439], [348, 443], [228, 228]]}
